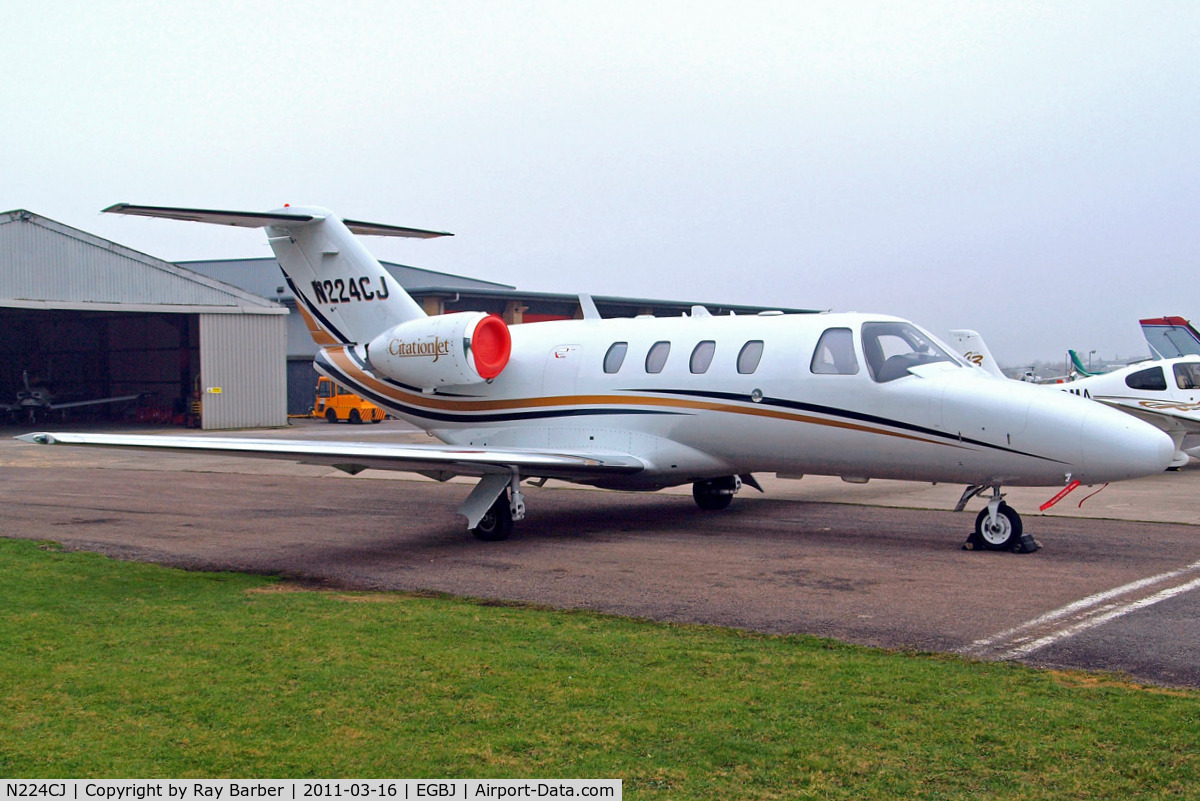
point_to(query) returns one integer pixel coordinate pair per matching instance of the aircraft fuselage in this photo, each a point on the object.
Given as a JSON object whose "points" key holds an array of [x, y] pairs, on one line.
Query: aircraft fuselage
{"points": [[701, 405]]}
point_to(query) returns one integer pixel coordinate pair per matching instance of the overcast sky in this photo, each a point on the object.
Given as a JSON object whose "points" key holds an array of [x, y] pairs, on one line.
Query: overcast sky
{"points": [[1028, 169]]}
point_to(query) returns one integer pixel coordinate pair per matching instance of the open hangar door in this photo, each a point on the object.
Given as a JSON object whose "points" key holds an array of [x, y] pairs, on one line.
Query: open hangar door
{"points": [[83, 355], [87, 318]]}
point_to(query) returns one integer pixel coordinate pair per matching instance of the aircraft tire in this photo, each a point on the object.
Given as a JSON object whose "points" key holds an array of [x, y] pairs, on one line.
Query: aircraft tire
{"points": [[714, 494], [497, 522], [1004, 535]]}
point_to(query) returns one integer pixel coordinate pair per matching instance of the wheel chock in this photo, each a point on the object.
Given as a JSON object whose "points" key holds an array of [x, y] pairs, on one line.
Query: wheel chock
{"points": [[1026, 544]]}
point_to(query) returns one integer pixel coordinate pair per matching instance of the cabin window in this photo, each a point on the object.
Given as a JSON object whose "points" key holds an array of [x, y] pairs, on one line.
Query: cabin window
{"points": [[1150, 379], [657, 357], [702, 356], [1187, 375], [749, 356], [615, 356], [324, 389], [892, 348], [835, 353]]}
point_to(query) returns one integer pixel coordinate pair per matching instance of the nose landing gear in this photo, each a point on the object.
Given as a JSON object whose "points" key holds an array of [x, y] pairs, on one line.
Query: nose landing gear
{"points": [[998, 527]]}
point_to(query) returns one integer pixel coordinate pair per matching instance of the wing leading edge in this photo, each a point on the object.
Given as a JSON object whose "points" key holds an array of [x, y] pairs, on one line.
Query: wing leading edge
{"points": [[439, 461]]}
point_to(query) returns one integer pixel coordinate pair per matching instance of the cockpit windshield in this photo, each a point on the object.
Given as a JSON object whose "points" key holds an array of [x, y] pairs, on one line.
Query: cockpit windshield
{"points": [[892, 348]]}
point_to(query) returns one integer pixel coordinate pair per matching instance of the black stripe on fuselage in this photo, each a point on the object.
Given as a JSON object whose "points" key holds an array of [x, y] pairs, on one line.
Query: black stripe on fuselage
{"points": [[352, 355], [846, 414], [742, 400], [321, 319]]}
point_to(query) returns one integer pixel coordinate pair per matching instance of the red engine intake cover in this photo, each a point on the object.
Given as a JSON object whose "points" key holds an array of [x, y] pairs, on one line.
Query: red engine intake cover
{"points": [[491, 345]]}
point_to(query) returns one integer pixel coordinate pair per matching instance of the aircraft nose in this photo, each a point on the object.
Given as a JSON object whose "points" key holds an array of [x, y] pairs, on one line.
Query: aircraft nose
{"points": [[1117, 446]]}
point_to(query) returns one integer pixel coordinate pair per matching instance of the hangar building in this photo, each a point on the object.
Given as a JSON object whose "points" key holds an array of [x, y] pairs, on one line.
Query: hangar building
{"points": [[90, 319]]}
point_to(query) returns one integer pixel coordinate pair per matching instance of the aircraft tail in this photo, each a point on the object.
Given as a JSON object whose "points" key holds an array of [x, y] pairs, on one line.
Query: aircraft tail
{"points": [[342, 291], [1171, 337], [1077, 365], [970, 346]]}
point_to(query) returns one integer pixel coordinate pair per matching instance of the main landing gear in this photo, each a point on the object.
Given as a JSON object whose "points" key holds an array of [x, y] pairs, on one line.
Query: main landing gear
{"points": [[494, 505], [497, 501], [715, 494], [497, 522], [998, 526]]}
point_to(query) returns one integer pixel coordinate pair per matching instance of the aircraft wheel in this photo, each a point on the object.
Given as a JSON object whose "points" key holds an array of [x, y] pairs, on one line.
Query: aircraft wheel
{"points": [[355, 417], [1003, 535], [331, 415], [714, 494], [497, 523]]}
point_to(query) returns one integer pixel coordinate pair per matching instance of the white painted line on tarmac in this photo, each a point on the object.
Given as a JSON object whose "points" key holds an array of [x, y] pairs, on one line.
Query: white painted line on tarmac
{"points": [[1099, 620], [1081, 615]]}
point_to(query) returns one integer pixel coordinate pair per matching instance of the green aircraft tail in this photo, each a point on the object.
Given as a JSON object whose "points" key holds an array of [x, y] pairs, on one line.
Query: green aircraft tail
{"points": [[1077, 363]]}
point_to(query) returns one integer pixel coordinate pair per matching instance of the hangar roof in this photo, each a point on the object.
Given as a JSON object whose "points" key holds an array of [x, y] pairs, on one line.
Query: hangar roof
{"points": [[45, 264]]}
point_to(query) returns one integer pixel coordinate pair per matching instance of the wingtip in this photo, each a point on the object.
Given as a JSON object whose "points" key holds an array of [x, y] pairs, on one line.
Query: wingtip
{"points": [[36, 438]]}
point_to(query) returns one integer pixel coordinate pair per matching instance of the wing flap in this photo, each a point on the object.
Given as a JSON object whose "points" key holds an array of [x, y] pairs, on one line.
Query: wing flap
{"points": [[425, 459]]}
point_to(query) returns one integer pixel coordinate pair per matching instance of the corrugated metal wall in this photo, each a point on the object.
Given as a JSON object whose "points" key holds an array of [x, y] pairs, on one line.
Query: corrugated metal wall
{"points": [[46, 261], [244, 356]]}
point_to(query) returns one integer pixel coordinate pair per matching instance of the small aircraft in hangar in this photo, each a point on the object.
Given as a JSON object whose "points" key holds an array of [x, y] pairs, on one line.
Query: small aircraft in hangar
{"points": [[37, 400], [647, 403]]}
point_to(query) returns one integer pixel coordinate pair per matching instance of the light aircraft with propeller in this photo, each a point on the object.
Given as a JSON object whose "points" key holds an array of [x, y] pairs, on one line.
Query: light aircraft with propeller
{"points": [[648, 403], [36, 400]]}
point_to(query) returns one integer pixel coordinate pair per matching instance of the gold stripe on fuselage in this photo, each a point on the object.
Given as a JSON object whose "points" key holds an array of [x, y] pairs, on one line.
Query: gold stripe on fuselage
{"points": [[402, 398], [319, 334]]}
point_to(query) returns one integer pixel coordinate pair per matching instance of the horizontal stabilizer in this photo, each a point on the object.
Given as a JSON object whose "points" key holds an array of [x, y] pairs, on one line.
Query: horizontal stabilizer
{"points": [[241, 219], [258, 219], [379, 229]]}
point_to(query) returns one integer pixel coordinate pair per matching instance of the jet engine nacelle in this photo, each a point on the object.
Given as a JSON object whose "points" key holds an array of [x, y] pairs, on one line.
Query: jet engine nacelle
{"points": [[443, 350]]}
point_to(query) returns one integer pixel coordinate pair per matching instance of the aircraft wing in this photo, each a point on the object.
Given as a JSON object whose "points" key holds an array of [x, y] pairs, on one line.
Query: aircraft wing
{"points": [[436, 461], [1171, 416], [93, 402]]}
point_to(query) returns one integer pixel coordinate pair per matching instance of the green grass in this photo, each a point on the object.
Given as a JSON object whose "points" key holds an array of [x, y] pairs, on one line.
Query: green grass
{"points": [[126, 670]]}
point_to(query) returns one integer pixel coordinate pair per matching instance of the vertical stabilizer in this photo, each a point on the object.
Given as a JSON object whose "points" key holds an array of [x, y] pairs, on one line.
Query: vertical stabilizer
{"points": [[1077, 365], [341, 289], [970, 346], [1171, 337]]}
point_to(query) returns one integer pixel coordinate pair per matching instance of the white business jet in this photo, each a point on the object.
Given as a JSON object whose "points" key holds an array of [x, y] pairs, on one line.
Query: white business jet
{"points": [[647, 403]]}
